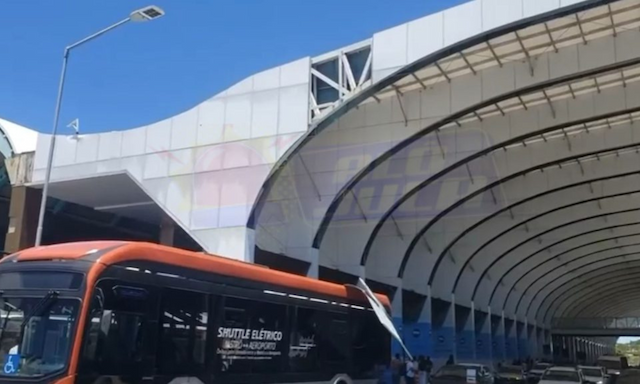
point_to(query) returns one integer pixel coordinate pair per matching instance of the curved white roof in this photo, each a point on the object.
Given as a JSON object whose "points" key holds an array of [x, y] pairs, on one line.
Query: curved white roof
{"points": [[22, 139]]}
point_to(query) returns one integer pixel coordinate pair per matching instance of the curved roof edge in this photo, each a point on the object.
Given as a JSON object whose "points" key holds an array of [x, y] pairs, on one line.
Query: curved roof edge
{"points": [[21, 139], [400, 74]]}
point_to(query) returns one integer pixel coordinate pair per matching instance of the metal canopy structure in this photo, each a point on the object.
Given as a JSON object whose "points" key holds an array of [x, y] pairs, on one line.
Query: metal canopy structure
{"points": [[500, 173]]}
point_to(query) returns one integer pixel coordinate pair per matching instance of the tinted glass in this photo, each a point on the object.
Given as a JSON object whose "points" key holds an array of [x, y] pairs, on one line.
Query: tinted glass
{"points": [[40, 280], [592, 372], [510, 369], [40, 344], [121, 335], [303, 348], [183, 332], [611, 364], [563, 376], [369, 342], [251, 337], [452, 371]]}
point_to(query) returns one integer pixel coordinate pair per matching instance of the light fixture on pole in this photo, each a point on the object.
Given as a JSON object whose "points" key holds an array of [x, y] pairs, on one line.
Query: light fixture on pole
{"points": [[149, 13]]}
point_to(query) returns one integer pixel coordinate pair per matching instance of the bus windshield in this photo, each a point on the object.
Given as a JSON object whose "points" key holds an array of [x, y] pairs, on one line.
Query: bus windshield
{"points": [[35, 334]]}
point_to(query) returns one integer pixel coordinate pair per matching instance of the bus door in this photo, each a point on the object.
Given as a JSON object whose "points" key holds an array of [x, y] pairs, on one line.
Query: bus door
{"points": [[120, 334]]}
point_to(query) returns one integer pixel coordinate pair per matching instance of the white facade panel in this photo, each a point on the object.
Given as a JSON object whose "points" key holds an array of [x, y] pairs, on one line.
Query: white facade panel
{"points": [[108, 166], [264, 119], [156, 165], [211, 122], [496, 13], [181, 162], [237, 118], [205, 200], [65, 151], [158, 136], [178, 202], [208, 158], [269, 79], [241, 87], [184, 129], [110, 146], [426, 35], [390, 48], [295, 72], [134, 166], [536, 7], [462, 22], [293, 109], [87, 148], [42, 151], [230, 242], [133, 142]]}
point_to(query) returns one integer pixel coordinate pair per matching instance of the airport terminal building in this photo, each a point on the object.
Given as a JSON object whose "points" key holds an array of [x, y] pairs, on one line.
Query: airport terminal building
{"points": [[479, 165]]}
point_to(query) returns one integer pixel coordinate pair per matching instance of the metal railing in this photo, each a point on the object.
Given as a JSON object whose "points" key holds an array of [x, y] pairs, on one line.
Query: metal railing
{"points": [[596, 323]]}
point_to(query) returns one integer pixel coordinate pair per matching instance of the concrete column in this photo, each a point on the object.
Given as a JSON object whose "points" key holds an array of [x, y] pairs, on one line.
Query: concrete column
{"points": [[482, 326], [474, 329], [417, 334], [443, 326], [505, 341], [510, 337], [497, 337], [452, 323], [23, 218], [465, 331]]}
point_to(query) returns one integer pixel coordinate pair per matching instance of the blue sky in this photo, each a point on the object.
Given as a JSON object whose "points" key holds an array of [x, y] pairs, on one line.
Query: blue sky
{"points": [[627, 340], [141, 73]]}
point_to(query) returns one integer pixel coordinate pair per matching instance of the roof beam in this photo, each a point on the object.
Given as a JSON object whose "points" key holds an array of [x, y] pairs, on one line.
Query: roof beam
{"points": [[526, 53], [442, 72], [584, 39], [464, 58], [493, 53], [413, 74], [613, 24], [553, 43], [553, 110]]}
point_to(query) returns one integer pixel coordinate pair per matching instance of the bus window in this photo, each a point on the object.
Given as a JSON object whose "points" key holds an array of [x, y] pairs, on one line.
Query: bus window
{"points": [[120, 335], [369, 341], [319, 341], [303, 350], [183, 332], [250, 337], [334, 342]]}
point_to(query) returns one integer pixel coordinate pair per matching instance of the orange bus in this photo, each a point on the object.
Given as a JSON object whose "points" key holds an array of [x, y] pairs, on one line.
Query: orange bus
{"points": [[124, 312]]}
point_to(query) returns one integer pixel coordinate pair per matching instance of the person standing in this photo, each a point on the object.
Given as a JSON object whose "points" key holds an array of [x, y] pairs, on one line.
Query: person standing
{"points": [[422, 370], [428, 368], [451, 360], [410, 372], [397, 369]]}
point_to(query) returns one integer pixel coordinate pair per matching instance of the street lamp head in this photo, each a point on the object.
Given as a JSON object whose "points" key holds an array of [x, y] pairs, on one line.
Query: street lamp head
{"points": [[148, 13]]}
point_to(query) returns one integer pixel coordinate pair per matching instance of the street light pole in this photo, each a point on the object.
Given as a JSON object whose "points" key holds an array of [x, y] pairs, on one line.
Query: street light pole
{"points": [[144, 14]]}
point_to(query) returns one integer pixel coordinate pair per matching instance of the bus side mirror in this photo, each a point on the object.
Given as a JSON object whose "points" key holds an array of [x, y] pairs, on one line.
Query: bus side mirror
{"points": [[105, 322]]}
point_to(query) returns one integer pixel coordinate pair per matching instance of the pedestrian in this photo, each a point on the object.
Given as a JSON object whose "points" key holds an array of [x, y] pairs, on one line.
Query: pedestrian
{"points": [[451, 360], [422, 370], [410, 372], [397, 369], [428, 368]]}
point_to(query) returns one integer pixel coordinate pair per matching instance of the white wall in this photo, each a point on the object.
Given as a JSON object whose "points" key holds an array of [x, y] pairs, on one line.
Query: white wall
{"points": [[204, 166]]}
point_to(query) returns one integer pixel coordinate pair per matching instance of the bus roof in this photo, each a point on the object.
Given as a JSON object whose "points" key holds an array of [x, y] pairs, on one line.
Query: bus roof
{"points": [[116, 252]]}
